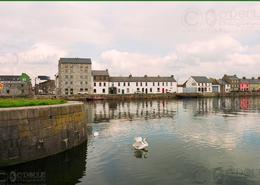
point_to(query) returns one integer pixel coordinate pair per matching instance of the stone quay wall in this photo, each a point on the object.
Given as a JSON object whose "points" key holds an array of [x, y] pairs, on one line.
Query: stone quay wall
{"points": [[29, 133]]}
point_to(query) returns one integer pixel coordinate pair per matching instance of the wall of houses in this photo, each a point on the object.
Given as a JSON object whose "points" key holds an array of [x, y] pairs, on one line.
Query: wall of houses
{"points": [[16, 88], [100, 87], [144, 87]]}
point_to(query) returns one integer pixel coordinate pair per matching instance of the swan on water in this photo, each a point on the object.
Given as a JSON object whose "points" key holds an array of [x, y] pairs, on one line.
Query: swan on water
{"points": [[95, 133], [140, 143]]}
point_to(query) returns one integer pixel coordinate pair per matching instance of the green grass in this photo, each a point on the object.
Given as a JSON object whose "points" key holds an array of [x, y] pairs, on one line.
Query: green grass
{"points": [[6, 103]]}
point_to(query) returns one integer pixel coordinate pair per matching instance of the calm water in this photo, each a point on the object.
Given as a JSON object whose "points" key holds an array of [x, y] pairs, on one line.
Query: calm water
{"points": [[192, 141]]}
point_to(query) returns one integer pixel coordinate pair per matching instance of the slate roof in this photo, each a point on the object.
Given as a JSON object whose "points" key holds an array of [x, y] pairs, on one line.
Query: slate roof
{"points": [[232, 77], [75, 61], [201, 79], [142, 79], [214, 81], [222, 82], [254, 81], [10, 78], [99, 73]]}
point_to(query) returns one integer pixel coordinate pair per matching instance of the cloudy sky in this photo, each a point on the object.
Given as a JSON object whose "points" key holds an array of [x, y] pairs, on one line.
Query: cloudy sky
{"points": [[157, 38]]}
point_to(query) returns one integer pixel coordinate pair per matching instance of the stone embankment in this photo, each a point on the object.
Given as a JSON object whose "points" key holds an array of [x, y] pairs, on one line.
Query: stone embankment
{"points": [[29, 133]]}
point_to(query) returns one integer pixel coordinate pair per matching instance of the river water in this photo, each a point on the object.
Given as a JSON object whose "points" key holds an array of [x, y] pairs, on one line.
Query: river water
{"points": [[191, 141]]}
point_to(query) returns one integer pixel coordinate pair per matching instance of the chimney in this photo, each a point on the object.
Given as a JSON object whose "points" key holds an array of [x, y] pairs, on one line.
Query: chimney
{"points": [[106, 70], [253, 78], [130, 76], [145, 76], [258, 78], [244, 77], [172, 76]]}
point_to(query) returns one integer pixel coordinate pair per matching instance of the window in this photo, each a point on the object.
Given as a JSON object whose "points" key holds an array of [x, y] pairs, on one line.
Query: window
{"points": [[158, 84], [94, 84], [86, 82], [118, 83], [127, 90], [66, 91], [66, 82], [100, 84], [112, 84], [158, 89], [199, 89], [22, 91], [71, 91], [81, 77], [95, 91], [118, 91], [81, 83], [81, 89], [166, 83], [137, 89], [171, 83], [105, 84], [163, 84], [66, 76], [128, 83], [142, 89], [71, 82], [141, 83], [104, 90], [124, 84], [86, 89], [151, 89], [71, 76], [153, 83], [7, 91], [136, 83], [145, 83]]}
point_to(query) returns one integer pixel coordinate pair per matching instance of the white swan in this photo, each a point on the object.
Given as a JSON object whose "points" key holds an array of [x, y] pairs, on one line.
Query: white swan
{"points": [[95, 134], [140, 143]]}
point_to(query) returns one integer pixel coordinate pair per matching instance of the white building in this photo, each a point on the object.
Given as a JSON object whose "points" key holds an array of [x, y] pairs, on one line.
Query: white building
{"points": [[146, 85], [100, 81], [197, 84]]}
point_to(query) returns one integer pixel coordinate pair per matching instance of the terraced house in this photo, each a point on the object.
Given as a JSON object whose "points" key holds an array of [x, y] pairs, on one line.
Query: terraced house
{"points": [[100, 81], [144, 85], [233, 80]]}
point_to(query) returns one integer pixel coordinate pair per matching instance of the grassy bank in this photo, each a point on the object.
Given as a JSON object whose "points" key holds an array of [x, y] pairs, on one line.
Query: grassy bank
{"points": [[6, 103]]}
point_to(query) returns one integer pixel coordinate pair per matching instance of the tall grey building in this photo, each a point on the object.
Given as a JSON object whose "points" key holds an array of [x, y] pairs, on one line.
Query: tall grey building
{"points": [[74, 76]]}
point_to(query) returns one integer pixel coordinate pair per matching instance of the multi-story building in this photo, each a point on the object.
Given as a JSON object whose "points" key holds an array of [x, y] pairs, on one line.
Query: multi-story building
{"points": [[244, 84], [224, 86], [215, 85], [197, 84], [233, 80], [100, 81], [74, 76], [145, 85], [15, 85]]}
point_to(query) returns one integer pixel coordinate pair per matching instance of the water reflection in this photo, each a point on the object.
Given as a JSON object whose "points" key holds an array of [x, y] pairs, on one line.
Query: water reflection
{"points": [[141, 154]]}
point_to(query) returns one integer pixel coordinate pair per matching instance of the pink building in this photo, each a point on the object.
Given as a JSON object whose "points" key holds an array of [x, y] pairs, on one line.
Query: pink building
{"points": [[244, 85]]}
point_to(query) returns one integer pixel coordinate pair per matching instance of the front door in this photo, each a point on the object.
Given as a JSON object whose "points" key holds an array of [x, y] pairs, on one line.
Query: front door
{"points": [[162, 90]]}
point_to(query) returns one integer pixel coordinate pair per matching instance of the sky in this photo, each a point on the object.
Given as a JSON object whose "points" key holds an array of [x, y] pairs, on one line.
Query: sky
{"points": [[138, 38]]}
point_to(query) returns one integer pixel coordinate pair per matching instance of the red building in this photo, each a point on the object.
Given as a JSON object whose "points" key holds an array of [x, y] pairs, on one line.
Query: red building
{"points": [[244, 85]]}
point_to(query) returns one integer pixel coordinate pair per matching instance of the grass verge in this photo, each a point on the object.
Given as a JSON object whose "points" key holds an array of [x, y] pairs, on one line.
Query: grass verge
{"points": [[7, 103]]}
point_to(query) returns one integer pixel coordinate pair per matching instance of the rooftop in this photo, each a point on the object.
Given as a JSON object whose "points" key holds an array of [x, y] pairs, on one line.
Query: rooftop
{"points": [[201, 79], [75, 61], [10, 78], [100, 72], [143, 79]]}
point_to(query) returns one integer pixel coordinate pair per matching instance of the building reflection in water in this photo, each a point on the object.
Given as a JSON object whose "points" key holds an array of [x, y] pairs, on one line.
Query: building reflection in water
{"points": [[141, 154], [63, 168], [104, 111]]}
